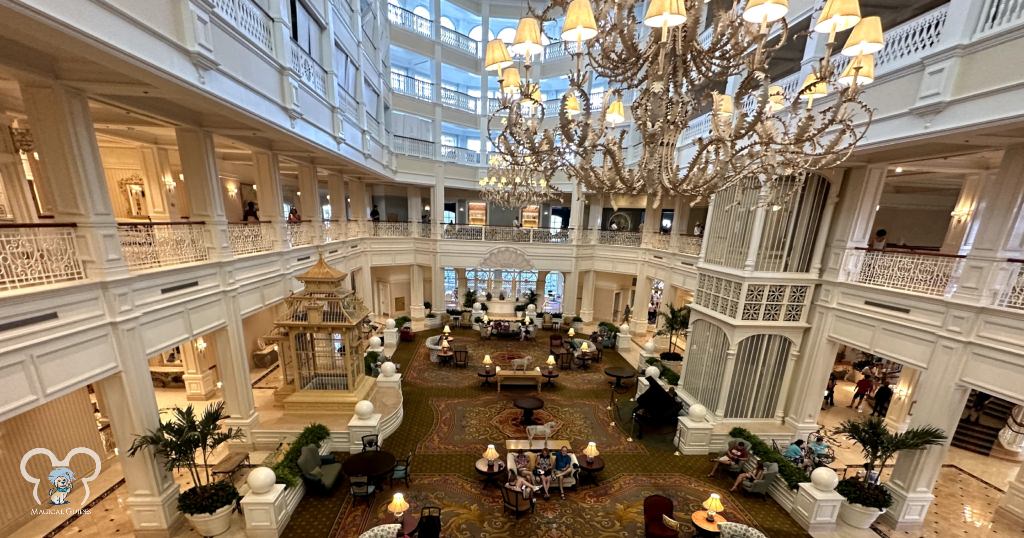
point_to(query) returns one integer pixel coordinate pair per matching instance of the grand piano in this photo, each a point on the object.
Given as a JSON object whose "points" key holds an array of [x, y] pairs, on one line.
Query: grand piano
{"points": [[655, 407]]}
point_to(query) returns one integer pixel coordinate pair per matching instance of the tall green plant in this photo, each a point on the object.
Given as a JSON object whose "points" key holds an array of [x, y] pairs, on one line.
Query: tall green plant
{"points": [[879, 445], [178, 440], [674, 321]]}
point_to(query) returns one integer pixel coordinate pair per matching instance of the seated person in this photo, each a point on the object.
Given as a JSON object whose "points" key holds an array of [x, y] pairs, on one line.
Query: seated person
{"points": [[750, 476], [733, 456], [522, 464], [563, 466], [819, 446], [543, 471], [795, 453], [518, 482]]}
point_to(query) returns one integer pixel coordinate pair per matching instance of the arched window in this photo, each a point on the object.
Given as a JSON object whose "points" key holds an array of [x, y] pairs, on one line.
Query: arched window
{"points": [[447, 23], [757, 376], [554, 286], [508, 35], [706, 353], [422, 11], [477, 33]]}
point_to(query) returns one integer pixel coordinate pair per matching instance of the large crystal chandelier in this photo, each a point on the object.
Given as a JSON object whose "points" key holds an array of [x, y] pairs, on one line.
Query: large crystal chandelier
{"points": [[513, 186], [672, 75]]}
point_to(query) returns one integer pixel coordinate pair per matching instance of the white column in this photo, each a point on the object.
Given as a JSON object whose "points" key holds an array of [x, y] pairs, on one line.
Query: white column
{"points": [[915, 471], [357, 200], [269, 195], [151, 494], [862, 191], [811, 368], [996, 232], [569, 295], [415, 204], [641, 300], [680, 218], [200, 380], [309, 203], [66, 141], [437, 201], [15, 184], [589, 289], [723, 396], [652, 216], [1011, 506], [756, 231], [962, 216], [233, 368], [596, 209], [336, 194], [576, 207], [416, 293], [835, 185], [205, 191]]}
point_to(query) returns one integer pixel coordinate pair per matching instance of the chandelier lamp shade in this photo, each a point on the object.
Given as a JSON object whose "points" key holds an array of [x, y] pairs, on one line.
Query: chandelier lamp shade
{"points": [[497, 57], [758, 136]]}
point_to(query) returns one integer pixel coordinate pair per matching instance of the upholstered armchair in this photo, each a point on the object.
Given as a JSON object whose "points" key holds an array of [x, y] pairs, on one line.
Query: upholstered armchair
{"points": [[433, 344], [656, 509], [515, 500], [737, 467], [771, 470], [320, 473]]}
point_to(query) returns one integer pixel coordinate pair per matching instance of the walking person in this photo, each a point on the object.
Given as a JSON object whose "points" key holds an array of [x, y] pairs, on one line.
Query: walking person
{"points": [[882, 398], [864, 387], [830, 390], [981, 401]]}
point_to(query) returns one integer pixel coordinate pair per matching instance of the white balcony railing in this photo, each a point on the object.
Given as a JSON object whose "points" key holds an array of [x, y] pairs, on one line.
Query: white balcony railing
{"points": [[299, 234], [250, 238], [906, 43], [308, 70], [388, 229], [460, 41], [506, 234], [659, 241], [460, 155], [459, 100], [331, 231], [38, 255], [249, 19], [616, 238], [403, 18], [690, 244], [413, 146], [999, 14], [560, 49], [927, 273], [149, 245], [1012, 295], [411, 86]]}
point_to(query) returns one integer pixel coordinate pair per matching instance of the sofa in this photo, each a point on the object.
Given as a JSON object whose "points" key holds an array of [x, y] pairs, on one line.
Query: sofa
{"points": [[570, 480]]}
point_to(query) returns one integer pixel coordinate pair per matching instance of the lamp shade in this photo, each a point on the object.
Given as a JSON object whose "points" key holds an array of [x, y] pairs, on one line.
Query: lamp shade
{"points": [[551, 360], [486, 319], [510, 80], [572, 105], [497, 57], [579, 22], [758, 11], [444, 344], [490, 454], [723, 105], [572, 332], [837, 16], [585, 347], [776, 98], [398, 504], [487, 360], [616, 112], [527, 42], [591, 450], [866, 38], [446, 330], [861, 67], [665, 13], [813, 87], [714, 503]]}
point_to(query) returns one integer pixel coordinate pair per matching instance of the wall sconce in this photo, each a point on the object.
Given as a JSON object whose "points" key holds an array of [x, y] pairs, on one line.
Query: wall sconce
{"points": [[255, 188], [298, 193], [232, 189], [181, 177], [961, 215], [200, 344], [426, 208], [901, 392], [169, 183]]}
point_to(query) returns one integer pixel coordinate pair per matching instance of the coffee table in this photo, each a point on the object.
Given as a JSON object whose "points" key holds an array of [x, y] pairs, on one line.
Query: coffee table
{"points": [[490, 472], [700, 520], [591, 468], [528, 404], [619, 373]]}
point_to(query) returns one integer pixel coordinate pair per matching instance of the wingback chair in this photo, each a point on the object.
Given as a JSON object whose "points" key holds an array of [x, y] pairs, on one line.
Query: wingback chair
{"points": [[771, 470], [655, 507], [516, 501], [320, 473], [429, 525], [433, 344]]}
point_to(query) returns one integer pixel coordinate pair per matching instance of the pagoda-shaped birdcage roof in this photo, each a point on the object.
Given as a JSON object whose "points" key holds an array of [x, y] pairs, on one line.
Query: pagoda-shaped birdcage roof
{"points": [[323, 302]]}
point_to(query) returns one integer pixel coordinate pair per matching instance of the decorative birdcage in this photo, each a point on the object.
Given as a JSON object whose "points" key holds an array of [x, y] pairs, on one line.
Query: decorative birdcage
{"points": [[322, 339]]}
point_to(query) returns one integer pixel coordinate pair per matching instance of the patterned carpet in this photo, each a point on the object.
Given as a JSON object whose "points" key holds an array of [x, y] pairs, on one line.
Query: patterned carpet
{"points": [[450, 417]]}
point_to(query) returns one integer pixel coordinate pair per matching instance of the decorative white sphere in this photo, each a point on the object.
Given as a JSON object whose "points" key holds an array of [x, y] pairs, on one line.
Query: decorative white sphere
{"points": [[824, 479], [481, 297], [652, 371], [531, 308], [375, 341], [649, 346], [388, 369], [477, 306], [624, 328], [364, 408], [697, 412], [261, 479], [390, 323]]}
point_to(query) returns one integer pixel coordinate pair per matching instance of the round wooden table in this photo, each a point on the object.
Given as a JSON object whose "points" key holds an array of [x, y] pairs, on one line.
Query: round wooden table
{"points": [[490, 472], [700, 519], [371, 464], [619, 373], [591, 468], [586, 358], [528, 404], [487, 374], [550, 375]]}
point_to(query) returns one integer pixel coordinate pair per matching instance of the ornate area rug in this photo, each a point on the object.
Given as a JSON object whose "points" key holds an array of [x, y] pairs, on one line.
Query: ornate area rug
{"points": [[612, 509], [469, 424]]}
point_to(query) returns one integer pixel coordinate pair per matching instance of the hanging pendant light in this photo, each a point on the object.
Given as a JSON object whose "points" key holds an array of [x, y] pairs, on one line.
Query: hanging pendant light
{"points": [[527, 42], [572, 105], [510, 80], [722, 105], [860, 70], [776, 98], [497, 57], [665, 13], [616, 112], [838, 16], [579, 22], [866, 38], [765, 11]]}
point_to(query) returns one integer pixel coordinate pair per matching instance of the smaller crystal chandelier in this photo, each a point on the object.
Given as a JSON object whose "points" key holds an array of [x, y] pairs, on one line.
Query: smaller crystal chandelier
{"points": [[514, 186]]}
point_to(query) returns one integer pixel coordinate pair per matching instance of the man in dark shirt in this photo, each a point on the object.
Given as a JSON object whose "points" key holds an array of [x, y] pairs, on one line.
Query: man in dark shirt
{"points": [[882, 398], [375, 214], [250, 211]]}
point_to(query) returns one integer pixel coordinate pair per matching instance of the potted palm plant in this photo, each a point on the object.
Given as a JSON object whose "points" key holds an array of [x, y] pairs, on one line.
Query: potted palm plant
{"points": [[207, 505], [674, 321], [865, 498]]}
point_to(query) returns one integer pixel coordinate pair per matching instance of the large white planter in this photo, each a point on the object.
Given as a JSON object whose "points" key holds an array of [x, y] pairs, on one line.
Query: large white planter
{"points": [[212, 524], [858, 515]]}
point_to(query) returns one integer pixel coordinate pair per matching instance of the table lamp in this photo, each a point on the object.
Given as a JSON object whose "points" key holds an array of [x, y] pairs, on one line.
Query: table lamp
{"points": [[485, 319], [591, 452], [551, 362], [487, 362], [446, 330], [490, 454], [398, 506], [713, 505], [444, 345], [585, 347], [572, 332]]}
